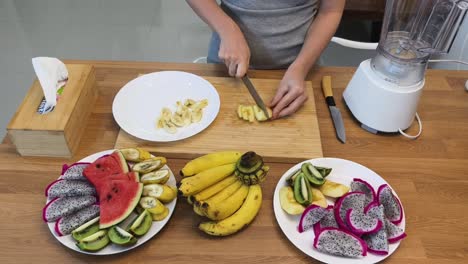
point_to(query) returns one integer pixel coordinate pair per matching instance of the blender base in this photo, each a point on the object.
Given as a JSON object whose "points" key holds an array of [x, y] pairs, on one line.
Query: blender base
{"points": [[379, 105]]}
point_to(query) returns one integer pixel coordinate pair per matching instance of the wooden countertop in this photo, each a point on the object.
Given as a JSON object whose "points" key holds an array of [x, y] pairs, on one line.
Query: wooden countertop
{"points": [[429, 174]]}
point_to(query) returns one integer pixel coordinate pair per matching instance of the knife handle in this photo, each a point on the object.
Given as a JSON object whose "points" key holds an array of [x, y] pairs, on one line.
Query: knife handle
{"points": [[327, 90]]}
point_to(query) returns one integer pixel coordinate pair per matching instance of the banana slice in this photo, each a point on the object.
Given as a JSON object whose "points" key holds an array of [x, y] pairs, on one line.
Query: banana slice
{"points": [[170, 127], [199, 105], [189, 102], [177, 120], [187, 112], [197, 116], [160, 123], [249, 114], [259, 114], [239, 111]]}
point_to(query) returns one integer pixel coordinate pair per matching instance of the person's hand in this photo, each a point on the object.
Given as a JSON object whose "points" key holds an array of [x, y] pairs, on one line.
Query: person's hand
{"points": [[234, 52], [291, 94]]}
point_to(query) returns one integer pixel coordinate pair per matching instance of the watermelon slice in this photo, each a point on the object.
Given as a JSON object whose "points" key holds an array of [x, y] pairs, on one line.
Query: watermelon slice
{"points": [[118, 198], [106, 166], [130, 176]]}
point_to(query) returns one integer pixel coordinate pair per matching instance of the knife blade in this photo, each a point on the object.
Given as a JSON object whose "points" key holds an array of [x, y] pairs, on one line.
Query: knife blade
{"points": [[253, 92], [334, 111]]}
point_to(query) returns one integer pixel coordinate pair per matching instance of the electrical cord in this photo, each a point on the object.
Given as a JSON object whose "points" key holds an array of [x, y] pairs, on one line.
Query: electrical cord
{"points": [[455, 61]]}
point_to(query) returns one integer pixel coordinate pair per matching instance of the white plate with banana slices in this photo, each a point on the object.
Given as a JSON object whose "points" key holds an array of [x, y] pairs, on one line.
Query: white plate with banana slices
{"points": [[138, 106]]}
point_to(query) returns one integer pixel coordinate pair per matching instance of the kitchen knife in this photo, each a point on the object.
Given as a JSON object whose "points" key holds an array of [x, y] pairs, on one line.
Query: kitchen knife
{"points": [[254, 94], [334, 111]]}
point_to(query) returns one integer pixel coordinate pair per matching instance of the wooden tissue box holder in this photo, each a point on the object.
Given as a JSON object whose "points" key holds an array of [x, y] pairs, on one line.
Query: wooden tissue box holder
{"points": [[58, 133]]}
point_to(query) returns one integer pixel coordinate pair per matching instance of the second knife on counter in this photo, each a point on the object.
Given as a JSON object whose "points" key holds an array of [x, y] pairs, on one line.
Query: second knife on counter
{"points": [[334, 111]]}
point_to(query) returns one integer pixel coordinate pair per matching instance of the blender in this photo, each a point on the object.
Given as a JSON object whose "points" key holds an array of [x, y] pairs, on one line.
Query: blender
{"points": [[383, 93]]}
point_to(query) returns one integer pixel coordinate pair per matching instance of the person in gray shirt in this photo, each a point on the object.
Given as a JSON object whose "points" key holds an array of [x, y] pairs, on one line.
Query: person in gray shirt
{"points": [[271, 34]]}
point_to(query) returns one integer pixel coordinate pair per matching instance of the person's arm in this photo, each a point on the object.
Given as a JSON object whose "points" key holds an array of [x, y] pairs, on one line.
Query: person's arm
{"points": [[291, 93], [233, 49]]}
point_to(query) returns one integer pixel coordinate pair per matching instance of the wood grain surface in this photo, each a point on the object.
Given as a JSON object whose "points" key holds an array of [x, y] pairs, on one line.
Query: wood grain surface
{"points": [[429, 175], [291, 139]]}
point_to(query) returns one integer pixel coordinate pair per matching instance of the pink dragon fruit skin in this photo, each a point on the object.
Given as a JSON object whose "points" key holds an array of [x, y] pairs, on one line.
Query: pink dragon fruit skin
{"points": [[367, 225], [328, 220], [60, 207], [328, 241], [74, 171], [344, 203], [377, 243], [392, 206], [359, 185], [66, 224], [311, 215]]}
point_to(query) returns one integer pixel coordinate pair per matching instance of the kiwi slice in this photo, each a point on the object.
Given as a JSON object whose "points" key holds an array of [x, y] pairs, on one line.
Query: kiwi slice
{"points": [[87, 229], [323, 170], [142, 223], [312, 174], [94, 242], [121, 237], [302, 192]]}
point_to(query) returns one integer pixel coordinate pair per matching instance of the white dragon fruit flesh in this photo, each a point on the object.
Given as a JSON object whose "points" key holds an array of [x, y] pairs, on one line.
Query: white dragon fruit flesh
{"points": [[310, 216], [377, 243], [67, 188], [74, 171], [354, 200], [60, 207], [328, 220], [340, 242], [362, 223], [66, 224], [359, 185], [392, 206], [394, 232]]}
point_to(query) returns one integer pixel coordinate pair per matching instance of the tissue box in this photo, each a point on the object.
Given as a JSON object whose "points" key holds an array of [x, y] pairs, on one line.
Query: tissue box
{"points": [[58, 133]]}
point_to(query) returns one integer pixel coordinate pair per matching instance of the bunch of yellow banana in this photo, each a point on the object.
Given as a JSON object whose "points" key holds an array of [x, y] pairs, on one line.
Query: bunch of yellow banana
{"points": [[213, 187]]}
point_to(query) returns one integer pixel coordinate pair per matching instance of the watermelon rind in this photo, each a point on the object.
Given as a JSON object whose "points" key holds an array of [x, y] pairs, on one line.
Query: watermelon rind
{"points": [[133, 203], [122, 161]]}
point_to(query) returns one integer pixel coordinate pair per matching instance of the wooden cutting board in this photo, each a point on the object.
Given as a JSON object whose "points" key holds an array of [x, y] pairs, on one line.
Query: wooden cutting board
{"points": [[290, 139]]}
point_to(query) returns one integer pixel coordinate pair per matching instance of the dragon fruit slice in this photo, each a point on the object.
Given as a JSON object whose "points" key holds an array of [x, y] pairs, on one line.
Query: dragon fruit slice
{"points": [[74, 171], [310, 216], [394, 233], [353, 200], [60, 207], [328, 220], [67, 188], [362, 223], [340, 242], [66, 224], [377, 243], [358, 185], [392, 206]]}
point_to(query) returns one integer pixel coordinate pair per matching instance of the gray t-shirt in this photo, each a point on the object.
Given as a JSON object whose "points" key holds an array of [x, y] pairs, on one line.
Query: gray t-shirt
{"points": [[274, 29]]}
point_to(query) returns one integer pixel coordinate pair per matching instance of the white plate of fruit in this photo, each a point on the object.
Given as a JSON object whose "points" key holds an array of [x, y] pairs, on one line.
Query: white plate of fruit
{"points": [[338, 211], [111, 201]]}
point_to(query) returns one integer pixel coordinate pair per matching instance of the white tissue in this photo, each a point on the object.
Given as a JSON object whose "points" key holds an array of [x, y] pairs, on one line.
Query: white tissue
{"points": [[52, 75]]}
